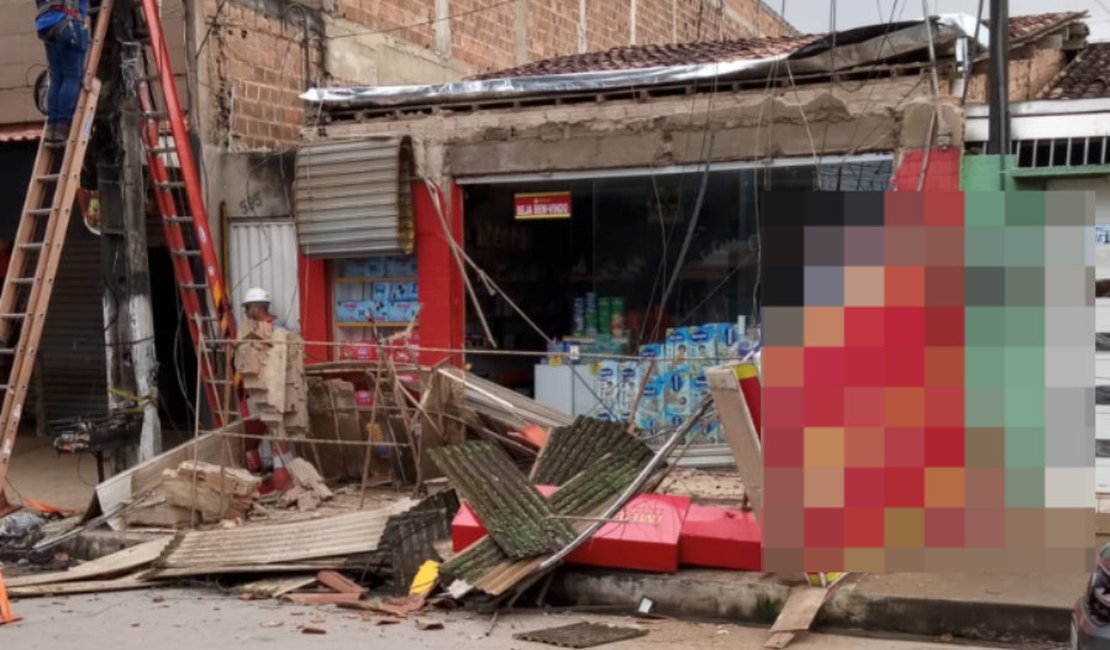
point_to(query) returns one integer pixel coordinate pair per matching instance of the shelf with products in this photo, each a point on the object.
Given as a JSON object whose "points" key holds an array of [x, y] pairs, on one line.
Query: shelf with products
{"points": [[391, 325], [365, 280]]}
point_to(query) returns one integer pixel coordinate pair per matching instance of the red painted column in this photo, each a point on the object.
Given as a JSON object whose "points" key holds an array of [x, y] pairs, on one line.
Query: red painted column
{"points": [[942, 172], [442, 316], [316, 310]]}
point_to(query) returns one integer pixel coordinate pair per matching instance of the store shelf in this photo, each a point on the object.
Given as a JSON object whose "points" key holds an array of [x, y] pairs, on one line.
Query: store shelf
{"points": [[379, 324], [370, 280]]}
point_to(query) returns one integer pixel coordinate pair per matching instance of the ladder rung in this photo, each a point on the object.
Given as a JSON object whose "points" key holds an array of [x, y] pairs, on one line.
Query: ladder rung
{"points": [[14, 316], [7, 351], [40, 212], [170, 184], [48, 178], [160, 150], [151, 77], [154, 115], [195, 287], [184, 253], [33, 246], [218, 381], [21, 280], [179, 220]]}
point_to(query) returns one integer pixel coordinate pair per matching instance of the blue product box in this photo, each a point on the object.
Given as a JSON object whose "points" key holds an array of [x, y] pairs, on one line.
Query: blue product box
{"points": [[628, 386], [606, 382], [380, 291], [677, 347], [352, 269], [401, 291], [378, 310], [677, 396], [350, 311], [703, 349], [400, 266], [401, 311], [650, 414], [726, 337], [656, 352], [374, 267]]}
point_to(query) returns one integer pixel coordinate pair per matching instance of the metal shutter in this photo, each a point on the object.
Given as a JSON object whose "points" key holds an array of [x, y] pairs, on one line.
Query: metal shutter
{"points": [[354, 198]]}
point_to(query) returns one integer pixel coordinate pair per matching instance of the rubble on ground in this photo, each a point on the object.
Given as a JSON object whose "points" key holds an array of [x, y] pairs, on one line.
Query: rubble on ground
{"points": [[413, 488]]}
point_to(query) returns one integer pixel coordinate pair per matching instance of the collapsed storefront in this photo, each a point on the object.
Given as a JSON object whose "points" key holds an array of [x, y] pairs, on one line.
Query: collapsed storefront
{"points": [[604, 200]]}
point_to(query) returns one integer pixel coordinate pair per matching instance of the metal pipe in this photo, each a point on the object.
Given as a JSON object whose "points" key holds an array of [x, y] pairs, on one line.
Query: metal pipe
{"points": [[634, 487], [999, 80]]}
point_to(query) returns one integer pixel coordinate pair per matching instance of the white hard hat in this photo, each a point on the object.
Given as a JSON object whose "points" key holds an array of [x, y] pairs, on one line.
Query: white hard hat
{"points": [[256, 294]]}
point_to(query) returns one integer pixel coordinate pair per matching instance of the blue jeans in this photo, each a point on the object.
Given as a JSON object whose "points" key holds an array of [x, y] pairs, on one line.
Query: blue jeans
{"points": [[66, 45]]}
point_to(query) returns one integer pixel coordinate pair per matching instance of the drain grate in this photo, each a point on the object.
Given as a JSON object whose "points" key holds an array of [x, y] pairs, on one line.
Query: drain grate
{"points": [[581, 635]]}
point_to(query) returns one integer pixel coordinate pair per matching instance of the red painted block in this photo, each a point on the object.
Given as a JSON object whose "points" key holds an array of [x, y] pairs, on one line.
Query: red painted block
{"points": [[720, 538], [646, 540]]}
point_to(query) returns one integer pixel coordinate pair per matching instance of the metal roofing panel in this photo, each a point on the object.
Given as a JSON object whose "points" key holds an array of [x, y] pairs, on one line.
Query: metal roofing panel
{"points": [[353, 198], [357, 532], [264, 254]]}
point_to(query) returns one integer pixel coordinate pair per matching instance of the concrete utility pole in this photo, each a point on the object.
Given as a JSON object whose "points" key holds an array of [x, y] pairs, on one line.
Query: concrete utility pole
{"points": [[998, 79], [129, 322]]}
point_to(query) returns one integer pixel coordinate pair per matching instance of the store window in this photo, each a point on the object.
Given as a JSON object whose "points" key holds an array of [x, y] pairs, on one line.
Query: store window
{"points": [[642, 280], [374, 294]]}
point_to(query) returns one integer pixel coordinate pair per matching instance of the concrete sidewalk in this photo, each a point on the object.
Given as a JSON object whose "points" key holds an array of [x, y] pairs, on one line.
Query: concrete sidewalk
{"points": [[1000, 607]]}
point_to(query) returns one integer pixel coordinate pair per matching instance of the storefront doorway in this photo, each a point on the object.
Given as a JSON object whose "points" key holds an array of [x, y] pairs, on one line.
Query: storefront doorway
{"points": [[610, 263]]}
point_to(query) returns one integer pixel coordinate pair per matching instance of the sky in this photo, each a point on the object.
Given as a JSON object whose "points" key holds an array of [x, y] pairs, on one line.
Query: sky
{"points": [[814, 15]]}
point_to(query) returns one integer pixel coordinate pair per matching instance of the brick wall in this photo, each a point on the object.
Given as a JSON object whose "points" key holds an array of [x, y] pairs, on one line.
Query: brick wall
{"points": [[255, 75], [255, 69]]}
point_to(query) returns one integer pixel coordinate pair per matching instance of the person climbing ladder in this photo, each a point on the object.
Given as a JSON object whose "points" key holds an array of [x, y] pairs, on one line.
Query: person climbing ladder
{"points": [[61, 27]]}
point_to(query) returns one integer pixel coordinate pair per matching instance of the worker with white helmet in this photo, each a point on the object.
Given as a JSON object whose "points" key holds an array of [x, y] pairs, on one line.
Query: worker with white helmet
{"points": [[256, 305]]}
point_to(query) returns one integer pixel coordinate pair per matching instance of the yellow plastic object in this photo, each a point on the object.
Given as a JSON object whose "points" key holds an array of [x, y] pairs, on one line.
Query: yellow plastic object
{"points": [[425, 579], [815, 579]]}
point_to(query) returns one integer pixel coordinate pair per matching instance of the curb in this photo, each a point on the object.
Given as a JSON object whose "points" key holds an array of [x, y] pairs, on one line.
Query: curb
{"points": [[757, 598]]}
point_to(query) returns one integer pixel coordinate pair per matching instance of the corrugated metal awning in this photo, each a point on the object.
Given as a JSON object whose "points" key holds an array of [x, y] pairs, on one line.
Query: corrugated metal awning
{"points": [[354, 198], [20, 132]]}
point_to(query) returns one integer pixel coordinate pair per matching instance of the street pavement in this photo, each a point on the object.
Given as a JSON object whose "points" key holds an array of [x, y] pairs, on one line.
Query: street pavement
{"points": [[206, 619]]}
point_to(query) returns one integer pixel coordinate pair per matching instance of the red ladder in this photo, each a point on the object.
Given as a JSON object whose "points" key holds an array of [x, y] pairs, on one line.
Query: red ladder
{"points": [[180, 200]]}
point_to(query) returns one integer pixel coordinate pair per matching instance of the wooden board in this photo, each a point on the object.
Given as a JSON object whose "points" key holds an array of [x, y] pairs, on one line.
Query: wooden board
{"points": [[274, 587], [121, 488], [740, 433], [81, 587], [126, 560], [797, 615]]}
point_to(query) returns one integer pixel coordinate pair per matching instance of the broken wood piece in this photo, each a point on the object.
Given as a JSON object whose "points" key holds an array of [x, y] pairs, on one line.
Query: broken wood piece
{"points": [[329, 598], [213, 491], [80, 587], [400, 607], [273, 587], [797, 615], [422, 624], [306, 476], [339, 583], [309, 629]]}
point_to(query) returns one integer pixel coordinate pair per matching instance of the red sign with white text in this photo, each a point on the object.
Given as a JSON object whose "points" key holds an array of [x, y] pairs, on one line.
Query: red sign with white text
{"points": [[542, 205]]}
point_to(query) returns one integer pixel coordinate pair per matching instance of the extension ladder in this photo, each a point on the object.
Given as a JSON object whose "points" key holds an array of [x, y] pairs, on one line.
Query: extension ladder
{"points": [[38, 244], [36, 250], [178, 194]]}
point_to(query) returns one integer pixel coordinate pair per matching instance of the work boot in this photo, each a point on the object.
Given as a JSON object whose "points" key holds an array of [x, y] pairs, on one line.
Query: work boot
{"points": [[55, 134]]}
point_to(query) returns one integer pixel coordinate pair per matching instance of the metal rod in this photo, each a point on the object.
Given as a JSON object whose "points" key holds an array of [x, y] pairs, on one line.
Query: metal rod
{"points": [[998, 84]]}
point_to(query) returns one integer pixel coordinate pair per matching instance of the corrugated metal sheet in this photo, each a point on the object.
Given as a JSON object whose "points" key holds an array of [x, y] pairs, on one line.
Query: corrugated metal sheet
{"points": [[20, 132], [354, 198], [72, 356], [357, 532], [264, 254]]}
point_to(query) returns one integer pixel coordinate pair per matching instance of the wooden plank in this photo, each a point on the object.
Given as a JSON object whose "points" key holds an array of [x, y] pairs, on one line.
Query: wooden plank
{"points": [[82, 587], [121, 488], [322, 598], [339, 583], [274, 587], [797, 615], [739, 430], [228, 569], [126, 560]]}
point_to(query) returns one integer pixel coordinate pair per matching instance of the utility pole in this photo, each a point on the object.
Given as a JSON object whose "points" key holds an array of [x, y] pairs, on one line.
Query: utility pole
{"points": [[129, 322], [998, 80]]}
